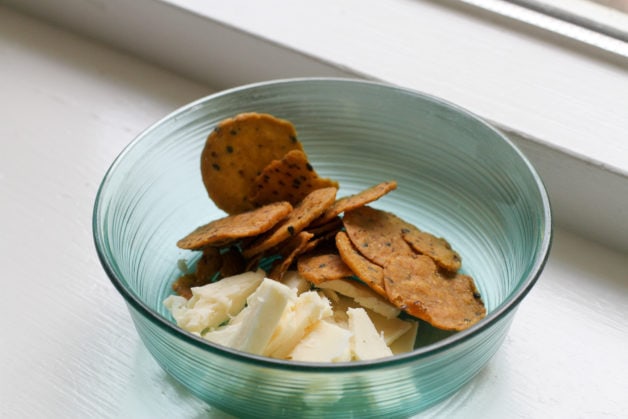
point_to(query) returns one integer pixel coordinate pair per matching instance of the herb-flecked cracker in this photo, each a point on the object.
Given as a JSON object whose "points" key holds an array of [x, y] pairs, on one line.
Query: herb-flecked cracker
{"points": [[322, 268], [437, 248], [235, 153], [309, 209], [232, 227], [233, 262], [184, 284], [376, 233], [368, 272], [289, 179], [347, 203], [448, 302], [293, 248], [208, 265], [329, 229]]}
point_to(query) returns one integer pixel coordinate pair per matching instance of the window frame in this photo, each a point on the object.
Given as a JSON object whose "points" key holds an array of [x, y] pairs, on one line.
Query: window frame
{"points": [[582, 20]]}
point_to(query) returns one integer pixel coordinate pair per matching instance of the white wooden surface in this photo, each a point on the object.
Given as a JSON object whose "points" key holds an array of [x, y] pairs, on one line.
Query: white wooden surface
{"points": [[68, 349]]}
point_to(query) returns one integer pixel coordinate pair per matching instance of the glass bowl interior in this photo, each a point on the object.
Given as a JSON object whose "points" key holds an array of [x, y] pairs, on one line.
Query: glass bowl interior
{"points": [[457, 178]]}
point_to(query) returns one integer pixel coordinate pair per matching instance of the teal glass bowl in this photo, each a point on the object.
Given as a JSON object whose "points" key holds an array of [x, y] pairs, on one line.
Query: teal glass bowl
{"points": [[458, 178]]}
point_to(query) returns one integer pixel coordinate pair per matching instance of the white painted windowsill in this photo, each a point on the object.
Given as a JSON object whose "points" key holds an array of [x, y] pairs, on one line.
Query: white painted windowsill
{"points": [[563, 102], [70, 104]]}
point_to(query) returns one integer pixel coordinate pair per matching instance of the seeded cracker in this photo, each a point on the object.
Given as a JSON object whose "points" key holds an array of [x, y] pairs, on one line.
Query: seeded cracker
{"points": [[183, 285], [289, 179], [309, 209], [329, 229], [448, 302], [293, 248], [348, 203], [376, 234], [224, 230], [322, 268], [368, 272], [207, 266], [237, 150], [282, 214], [233, 263], [438, 249]]}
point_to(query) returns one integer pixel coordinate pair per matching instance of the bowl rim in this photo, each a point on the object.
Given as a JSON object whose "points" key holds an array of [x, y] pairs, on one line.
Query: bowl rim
{"points": [[424, 352]]}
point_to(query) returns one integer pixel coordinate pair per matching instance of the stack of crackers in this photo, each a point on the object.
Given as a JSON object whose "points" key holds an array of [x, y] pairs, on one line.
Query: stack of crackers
{"points": [[283, 216]]}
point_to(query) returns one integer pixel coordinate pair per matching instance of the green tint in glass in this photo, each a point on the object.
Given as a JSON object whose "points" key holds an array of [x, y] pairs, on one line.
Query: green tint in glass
{"points": [[458, 178]]}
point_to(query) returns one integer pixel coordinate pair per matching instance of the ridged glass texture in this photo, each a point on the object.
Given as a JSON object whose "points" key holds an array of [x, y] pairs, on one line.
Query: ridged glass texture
{"points": [[458, 178]]}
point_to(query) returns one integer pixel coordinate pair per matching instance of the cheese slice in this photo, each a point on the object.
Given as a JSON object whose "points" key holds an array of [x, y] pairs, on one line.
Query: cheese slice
{"points": [[366, 342], [326, 342], [292, 279], [362, 295], [339, 307], [254, 325], [331, 295], [176, 305], [214, 303], [405, 342], [390, 329], [223, 335], [296, 320]]}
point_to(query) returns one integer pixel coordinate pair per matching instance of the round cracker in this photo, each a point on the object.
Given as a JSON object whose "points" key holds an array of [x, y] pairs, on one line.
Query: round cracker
{"points": [[235, 153], [290, 179], [414, 284], [368, 272], [209, 263], [294, 247], [309, 209], [437, 248], [376, 233], [233, 263], [331, 227], [232, 227], [322, 268], [348, 203]]}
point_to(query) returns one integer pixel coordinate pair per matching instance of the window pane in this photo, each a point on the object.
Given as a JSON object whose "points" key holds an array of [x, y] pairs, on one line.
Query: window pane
{"points": [[602, 23], [605, 16]]}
